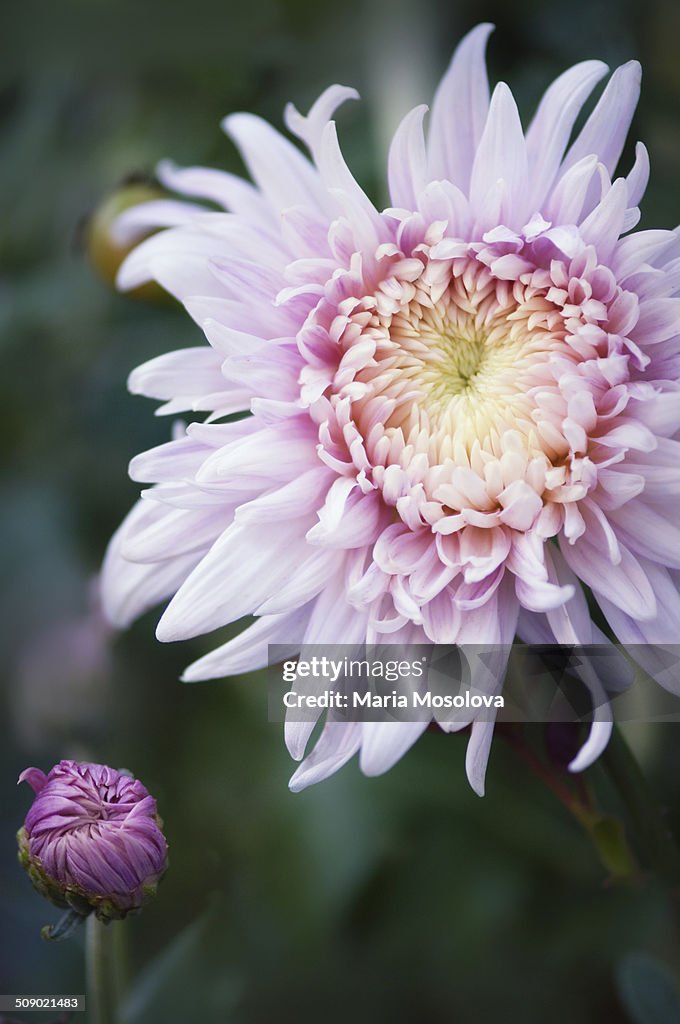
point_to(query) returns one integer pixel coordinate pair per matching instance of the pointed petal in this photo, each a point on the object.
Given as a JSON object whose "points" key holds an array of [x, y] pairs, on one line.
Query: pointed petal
{"points": [[139, 220], [664, 628], [477, 755], [598, 738], [227, 190], [459, 111], [233, 579], [248, 651], [127, 588], [366, 224], [625, 585], [570, 622], [566, 202], [407, 170], [501, 155], [188, 371], [384, 743], [649, 531], [605, 131], [549, 131], [310, 128], [284, 175], [604, 224], [638, 177], [338, 742]]}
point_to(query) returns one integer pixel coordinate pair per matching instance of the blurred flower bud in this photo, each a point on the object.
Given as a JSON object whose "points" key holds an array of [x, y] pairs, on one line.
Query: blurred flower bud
{"points": [[63, 680], [107, 247], [92, 840], [563, 740]]}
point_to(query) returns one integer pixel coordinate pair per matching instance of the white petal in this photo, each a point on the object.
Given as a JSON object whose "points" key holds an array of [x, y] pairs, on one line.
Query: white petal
{"points": [[139, 220], [367, 226], [477, 754], [549, 131], [308, 580], [496, 621], [128, 588], [625, 584], [333, 620], [249, 650], [459, 111], [187, 371], [384, 743], [270, 454], [166, 532], [570, 621], [649, 531], [642, 247], [360, 523], [598, 738], [310, 128], [284, 175], [501, 156], [664, 628], [184, 248], [407, 171], [227, 190], [259, 322], [660, 469], [605, 131], [638, 177], [604, 224], [173, 460], [661, 414], [659, 320], [565, 204], [293, 499], [338, 742], [233, 579], [539, 596]]}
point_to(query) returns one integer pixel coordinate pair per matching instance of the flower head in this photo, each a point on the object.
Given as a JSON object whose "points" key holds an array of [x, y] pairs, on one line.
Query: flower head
{"points": [[92, 839], [463, 407]]}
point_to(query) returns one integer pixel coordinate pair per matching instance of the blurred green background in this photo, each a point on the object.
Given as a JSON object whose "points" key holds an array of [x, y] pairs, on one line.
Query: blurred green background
{"points": [[398, 899]]}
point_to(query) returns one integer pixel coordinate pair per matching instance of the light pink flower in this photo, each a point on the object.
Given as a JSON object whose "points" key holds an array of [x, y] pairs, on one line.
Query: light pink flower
{"points": [[463, 407]]}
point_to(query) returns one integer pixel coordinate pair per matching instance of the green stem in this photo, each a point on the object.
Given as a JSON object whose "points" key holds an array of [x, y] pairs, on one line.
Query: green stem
{"points": [[64, 927], [575, 794], [102, 970], [648, 829]]}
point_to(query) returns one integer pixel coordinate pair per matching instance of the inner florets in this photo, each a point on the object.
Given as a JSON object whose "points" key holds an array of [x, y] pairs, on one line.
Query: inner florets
{"points": [[469, 399], [460, 365]]}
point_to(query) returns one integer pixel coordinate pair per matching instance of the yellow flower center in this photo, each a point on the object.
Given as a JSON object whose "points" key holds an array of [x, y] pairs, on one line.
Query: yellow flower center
{"points": [[464, 369]]}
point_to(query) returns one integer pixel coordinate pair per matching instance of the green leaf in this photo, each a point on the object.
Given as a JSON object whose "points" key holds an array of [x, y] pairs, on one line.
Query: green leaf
{"points": [[182, 982], [612, 845]]}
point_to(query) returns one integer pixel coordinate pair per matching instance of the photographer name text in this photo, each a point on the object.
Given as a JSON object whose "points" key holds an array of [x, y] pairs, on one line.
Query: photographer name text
{"points": [[390, 701]]}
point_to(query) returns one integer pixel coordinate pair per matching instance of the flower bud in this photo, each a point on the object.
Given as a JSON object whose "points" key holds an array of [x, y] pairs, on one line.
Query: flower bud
{"points": [[107, 248], [92, 840]]}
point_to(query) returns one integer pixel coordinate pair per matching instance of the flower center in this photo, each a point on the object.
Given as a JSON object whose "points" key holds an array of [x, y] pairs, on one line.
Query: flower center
{"points": [[468, 400], [461, 366], [464, 360]]}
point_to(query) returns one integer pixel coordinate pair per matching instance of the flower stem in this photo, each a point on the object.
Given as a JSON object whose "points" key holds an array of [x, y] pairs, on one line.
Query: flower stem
{"points": [[648, 829], [102, 971], [606, 833]]}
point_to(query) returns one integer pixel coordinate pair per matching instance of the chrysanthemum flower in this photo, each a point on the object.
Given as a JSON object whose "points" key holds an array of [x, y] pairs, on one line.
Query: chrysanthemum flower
{"points": [[462, 407], [92, 839]]}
